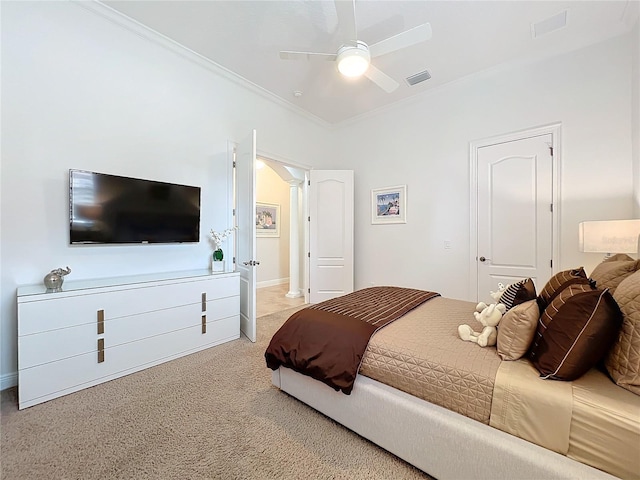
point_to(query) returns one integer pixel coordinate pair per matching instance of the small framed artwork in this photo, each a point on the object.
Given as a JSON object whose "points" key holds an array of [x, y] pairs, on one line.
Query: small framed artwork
{"points": [[389, 205], [267, 220]]}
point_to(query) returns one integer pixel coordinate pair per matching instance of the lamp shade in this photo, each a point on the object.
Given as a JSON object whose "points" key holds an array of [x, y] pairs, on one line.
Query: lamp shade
{"points": [[609, 236]]}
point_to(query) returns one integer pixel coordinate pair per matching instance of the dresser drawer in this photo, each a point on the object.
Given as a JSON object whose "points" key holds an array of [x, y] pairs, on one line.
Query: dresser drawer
{"points": [[52, 314], [224, 307], [56, 345], [75, 373]]}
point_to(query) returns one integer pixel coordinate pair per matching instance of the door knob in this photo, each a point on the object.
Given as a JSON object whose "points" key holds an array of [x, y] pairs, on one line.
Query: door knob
{"points": [[251, 263], [483, 259]]}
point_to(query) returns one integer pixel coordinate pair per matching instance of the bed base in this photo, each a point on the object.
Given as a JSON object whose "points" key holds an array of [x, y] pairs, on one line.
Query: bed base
{"points": [[442, 443]]}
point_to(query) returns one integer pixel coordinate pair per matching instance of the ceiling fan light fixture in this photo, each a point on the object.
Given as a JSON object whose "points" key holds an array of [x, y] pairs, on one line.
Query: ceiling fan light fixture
{"points": [[353, 61]]}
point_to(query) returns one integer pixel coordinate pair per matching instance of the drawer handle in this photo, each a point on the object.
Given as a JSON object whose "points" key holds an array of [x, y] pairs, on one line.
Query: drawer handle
{"points": [[204, 302], [204, 324], [100, 350], [100, 322]]}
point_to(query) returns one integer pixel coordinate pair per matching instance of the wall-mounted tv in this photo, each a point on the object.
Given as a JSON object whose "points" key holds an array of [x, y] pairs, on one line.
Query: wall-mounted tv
{"points": [[107, 209]]}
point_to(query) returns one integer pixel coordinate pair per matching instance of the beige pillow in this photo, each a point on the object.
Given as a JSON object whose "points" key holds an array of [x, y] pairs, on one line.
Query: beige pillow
{"points": [[623, 360], [516, 330], [614, 270]]}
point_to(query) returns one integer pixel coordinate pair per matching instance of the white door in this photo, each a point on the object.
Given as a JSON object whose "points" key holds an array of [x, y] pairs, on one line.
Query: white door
{"points": [[330, 234], [514, 222], [246, 215]]}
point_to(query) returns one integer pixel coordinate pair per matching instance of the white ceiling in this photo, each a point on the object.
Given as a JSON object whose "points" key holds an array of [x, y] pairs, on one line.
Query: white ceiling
{"points": [[468, 36]]}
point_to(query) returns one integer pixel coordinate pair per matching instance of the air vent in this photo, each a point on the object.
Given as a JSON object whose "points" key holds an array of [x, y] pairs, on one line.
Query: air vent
{"points": [[418, 77], [549, 25]]}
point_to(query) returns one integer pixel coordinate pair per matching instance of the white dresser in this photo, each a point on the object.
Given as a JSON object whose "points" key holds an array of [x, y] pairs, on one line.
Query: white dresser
{"points": [[98, 330]]}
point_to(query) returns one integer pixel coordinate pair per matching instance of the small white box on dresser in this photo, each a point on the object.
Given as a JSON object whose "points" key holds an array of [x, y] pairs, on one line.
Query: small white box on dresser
{"points": [[98, 330]]}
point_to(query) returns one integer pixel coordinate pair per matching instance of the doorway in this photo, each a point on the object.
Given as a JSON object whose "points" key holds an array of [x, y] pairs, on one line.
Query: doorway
{"points": [[280, 276], [514, 209]]}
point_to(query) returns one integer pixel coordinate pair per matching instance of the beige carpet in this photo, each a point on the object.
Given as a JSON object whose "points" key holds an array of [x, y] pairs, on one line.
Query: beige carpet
{"points": [[210, 415]]}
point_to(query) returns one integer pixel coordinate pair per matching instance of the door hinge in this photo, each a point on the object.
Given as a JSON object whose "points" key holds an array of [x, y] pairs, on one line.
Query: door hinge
{"points": [[234, 260], [551, 263], [234, 212], [551, 207], [551, 151], [308, 290], [234, 163], [309, 254], [308, 219], [309, 182]]}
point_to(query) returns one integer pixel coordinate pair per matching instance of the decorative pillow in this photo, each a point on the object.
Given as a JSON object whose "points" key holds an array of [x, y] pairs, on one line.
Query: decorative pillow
{"points": [[574, 332], [623, 360], [516, 330], [559, 282], [518, 293], [614, 270]]}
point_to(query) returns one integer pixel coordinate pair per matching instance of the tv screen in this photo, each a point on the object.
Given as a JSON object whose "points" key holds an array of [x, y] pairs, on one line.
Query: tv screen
{"points": [[112, 209]]}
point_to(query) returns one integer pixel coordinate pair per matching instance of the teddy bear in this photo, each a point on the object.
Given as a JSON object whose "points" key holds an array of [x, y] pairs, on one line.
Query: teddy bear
{"points": [[489, 316]]}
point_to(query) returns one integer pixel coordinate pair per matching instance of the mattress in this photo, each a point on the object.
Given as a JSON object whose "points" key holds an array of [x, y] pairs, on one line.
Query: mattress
{"points": [[421, 354]]}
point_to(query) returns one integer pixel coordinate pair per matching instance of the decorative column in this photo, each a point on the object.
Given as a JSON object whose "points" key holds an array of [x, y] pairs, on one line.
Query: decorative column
{"points": [[294, 241]]}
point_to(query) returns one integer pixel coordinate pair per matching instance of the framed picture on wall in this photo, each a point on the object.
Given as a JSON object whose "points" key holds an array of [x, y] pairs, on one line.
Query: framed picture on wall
{"points": [[267, 220], [389, 205]]}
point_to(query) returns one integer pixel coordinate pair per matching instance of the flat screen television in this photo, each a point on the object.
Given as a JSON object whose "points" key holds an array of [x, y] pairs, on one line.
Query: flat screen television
{"points": [[106, 209]]}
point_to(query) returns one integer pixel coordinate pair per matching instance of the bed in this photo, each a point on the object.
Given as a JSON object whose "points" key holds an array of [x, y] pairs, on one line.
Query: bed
{"points": [[456, 410]]}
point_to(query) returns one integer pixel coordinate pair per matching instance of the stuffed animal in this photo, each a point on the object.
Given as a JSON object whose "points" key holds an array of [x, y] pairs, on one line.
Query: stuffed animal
{"points": [[497, 295], [489, 316]]}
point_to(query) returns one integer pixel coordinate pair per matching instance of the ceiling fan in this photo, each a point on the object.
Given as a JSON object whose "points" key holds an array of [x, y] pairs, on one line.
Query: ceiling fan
{"points": [[354, 56]]}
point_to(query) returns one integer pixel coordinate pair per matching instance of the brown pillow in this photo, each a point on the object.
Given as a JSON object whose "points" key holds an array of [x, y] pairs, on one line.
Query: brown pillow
{"points": [[613, 270], [623, 360], [559, 282], [516, 330], [574, 332], [518, 293]]}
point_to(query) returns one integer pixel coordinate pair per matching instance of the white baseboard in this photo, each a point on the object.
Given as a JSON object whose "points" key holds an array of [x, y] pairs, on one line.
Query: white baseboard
{"points": [[8, 380], [272, 283]]}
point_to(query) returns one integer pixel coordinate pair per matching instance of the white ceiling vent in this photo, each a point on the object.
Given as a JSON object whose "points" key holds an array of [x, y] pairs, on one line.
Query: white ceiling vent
{"points": [[549, 25], [418, 77]]}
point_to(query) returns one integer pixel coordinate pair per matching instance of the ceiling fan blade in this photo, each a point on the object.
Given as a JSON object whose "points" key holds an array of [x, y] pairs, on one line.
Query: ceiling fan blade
{"points": [[383, 80], [346, 11], [418, 34], [310, 56]]}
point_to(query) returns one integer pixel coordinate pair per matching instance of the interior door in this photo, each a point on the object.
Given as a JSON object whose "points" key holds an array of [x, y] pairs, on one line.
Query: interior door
{"points": [[330, 234], [515, 219], [246, 250]]}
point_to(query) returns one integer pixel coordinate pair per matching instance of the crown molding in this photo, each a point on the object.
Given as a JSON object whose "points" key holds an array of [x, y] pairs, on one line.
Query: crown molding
{"points": [[141, 30]]}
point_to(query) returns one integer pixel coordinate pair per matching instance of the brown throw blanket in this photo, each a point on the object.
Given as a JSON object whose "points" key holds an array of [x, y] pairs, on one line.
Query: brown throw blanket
{"points": [[327, 341]]}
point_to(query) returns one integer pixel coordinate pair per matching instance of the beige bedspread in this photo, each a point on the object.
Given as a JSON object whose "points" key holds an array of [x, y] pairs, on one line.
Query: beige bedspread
{"points": [[421, 354]]}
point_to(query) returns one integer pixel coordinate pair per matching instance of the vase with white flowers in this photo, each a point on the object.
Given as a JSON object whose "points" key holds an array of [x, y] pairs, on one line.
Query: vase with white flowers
{"points": [[217, 259]]}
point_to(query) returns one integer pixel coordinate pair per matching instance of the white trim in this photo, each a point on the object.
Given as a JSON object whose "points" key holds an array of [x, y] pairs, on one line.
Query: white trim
{"points": [[272, 283], [147, 33], [8, 380], [555, 130]]}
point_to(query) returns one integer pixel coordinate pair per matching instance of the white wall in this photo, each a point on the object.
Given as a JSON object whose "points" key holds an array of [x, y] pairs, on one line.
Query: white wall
{"points": [[425, 144], [273, 252], [79, 91]]}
